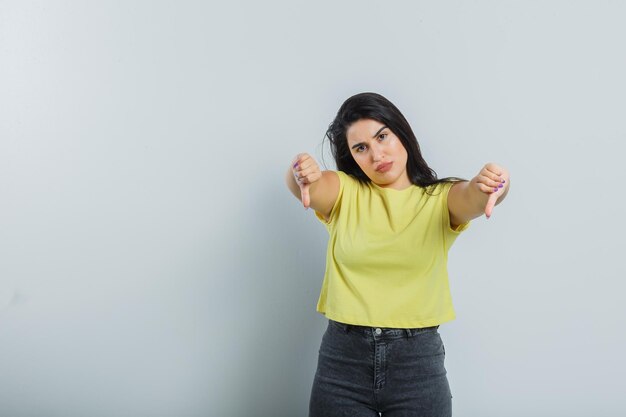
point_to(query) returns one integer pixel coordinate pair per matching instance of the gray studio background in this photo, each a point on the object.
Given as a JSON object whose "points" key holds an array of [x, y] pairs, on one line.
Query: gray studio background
{"points": [[152, 262]]}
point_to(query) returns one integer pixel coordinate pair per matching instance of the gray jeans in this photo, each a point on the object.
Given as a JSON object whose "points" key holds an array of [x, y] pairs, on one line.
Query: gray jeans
{"points": [[367, 371]]}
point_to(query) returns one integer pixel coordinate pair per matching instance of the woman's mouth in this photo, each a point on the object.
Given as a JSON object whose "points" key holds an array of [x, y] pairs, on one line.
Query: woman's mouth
{"points": [[384, 167]]}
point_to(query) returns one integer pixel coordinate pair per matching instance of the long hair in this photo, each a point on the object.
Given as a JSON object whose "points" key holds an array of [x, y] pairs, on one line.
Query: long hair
{"points": [[376, 107]]}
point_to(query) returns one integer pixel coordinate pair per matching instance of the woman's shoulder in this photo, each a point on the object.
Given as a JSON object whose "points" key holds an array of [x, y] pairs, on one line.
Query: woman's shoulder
{"points": [[347, 180], [439, 187]]}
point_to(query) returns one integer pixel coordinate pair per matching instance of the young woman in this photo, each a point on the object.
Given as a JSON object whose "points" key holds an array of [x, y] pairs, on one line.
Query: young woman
{"points": [[385, 292]]}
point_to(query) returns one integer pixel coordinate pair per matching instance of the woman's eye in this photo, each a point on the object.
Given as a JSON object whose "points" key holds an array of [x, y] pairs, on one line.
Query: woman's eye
{"points": [[382, 136], [361, 148]]}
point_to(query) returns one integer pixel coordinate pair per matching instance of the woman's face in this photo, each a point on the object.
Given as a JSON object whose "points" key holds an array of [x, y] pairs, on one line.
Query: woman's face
{"points": [[379, 153]]}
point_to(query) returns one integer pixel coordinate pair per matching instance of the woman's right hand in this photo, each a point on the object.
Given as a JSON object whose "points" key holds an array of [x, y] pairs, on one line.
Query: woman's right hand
{"points": [[305, 172]]}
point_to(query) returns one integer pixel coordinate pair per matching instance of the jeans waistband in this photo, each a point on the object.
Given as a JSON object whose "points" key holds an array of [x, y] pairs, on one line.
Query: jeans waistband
{"points": [[381, 331]]}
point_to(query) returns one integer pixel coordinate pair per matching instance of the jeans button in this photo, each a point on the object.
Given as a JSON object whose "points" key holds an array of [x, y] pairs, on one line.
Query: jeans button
{"points": [[378, 331]]}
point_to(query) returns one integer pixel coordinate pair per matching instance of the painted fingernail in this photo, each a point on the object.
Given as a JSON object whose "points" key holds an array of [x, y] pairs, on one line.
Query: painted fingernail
{"points": [[496, 189], [295, 165], [503, 181], [500, 186]]}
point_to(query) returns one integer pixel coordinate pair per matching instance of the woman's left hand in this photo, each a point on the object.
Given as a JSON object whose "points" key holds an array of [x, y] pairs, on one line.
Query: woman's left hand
{"points": [[494, 180]]}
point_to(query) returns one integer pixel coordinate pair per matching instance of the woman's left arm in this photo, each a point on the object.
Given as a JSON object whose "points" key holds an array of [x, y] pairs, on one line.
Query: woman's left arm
{"points": [[470, 199]]}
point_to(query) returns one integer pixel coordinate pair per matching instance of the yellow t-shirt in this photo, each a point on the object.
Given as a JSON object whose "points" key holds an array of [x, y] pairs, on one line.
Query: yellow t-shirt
{"points": [[386, 263]]}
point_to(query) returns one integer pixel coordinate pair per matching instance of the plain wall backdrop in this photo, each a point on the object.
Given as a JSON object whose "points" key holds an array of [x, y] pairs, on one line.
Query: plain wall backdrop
{"points": [[153, 263]]}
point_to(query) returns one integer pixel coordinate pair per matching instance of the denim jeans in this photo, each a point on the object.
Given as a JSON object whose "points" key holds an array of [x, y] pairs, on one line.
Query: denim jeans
{"points": [[363, 371]]}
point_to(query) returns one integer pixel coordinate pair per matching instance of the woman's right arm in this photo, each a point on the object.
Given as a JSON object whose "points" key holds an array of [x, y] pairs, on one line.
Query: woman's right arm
{"points": [[316, 189]]}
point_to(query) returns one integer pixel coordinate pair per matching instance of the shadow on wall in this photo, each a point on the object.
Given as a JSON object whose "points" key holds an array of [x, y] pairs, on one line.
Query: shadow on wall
{"points": [[283, 256]]}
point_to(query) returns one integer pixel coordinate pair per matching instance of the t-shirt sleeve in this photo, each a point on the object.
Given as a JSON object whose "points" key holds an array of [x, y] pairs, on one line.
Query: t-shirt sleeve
{"points": [[334, 212], [448, 230]]}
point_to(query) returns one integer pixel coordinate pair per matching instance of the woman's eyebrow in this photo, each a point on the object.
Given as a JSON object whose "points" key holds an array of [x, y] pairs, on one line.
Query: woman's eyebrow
{"points": [[375, 134], [379, 130]]}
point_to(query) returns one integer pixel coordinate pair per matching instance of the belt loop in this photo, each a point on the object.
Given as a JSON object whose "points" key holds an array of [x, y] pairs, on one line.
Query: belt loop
{"points": [[409, 333]]}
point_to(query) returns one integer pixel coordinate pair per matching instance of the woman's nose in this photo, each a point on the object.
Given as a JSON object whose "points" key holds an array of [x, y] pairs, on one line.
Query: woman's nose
{"points": [[377, 152]]}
